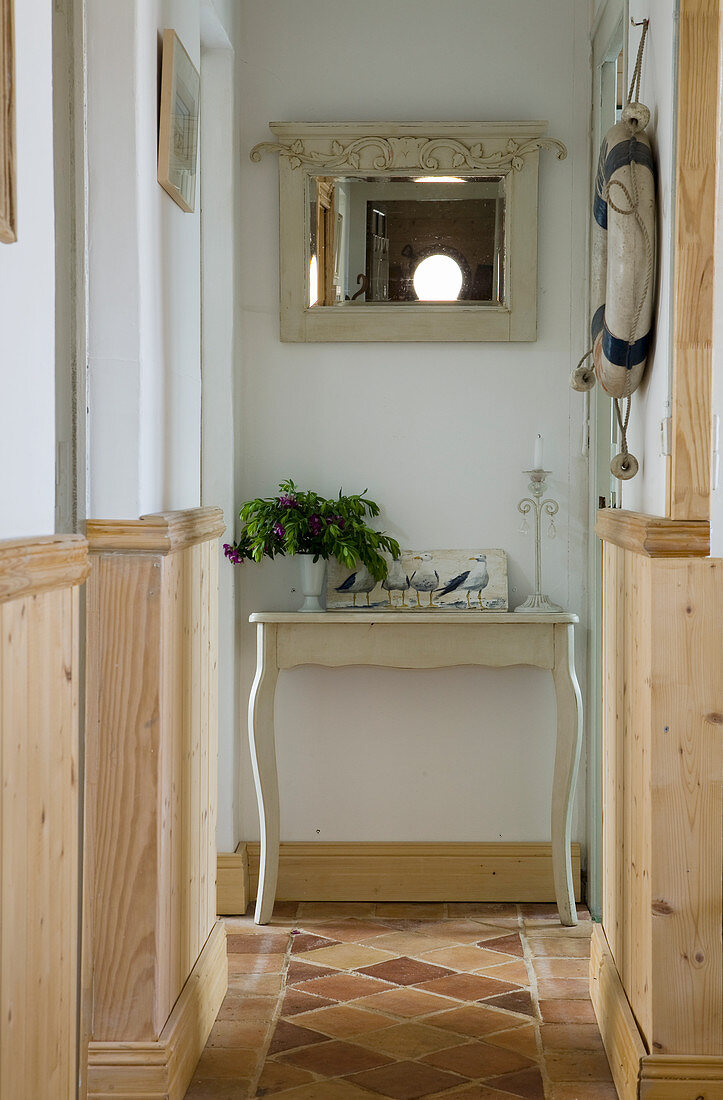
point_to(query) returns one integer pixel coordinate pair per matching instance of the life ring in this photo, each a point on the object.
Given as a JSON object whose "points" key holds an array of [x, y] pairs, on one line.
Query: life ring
{"points": [[623, 268]]}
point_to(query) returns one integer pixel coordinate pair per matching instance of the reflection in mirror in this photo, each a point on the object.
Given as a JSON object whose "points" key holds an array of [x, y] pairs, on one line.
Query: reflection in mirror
{"points": [[406, 239]]}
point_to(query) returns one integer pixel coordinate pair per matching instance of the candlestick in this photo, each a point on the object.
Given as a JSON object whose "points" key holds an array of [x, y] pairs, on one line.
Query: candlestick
{"points": [[538, 601]]}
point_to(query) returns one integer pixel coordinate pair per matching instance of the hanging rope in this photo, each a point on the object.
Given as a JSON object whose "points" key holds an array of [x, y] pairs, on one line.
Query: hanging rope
{"points": [[635, 82]]}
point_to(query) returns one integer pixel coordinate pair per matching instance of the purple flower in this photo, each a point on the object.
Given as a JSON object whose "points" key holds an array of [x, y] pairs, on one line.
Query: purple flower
{"points": [[338, 520], [315, 524], [286, 501], [279, 529]]}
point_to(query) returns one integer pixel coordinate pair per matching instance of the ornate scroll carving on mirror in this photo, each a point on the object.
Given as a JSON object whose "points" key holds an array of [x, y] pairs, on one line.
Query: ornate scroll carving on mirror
{"points": [[408, 231]]}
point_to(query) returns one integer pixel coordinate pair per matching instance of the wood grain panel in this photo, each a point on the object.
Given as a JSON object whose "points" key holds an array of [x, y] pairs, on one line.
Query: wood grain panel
{"points": [[39, 823], [152, 671], [413, 872], [654, 536], [695, 228], [8, 155]]}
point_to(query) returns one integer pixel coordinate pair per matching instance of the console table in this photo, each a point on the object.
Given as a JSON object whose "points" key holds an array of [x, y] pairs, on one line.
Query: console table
{"points": [[415, 639]]}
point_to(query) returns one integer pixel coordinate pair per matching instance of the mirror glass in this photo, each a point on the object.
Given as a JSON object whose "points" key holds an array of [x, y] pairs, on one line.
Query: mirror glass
{"points": [[403, 239]]}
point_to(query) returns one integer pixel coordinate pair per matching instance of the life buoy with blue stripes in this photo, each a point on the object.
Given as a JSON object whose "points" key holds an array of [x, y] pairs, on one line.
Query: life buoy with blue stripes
{"points": [[623, 269]]}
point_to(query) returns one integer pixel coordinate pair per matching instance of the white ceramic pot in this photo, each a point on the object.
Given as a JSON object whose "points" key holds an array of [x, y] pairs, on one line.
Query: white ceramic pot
{"points": [[313, 574]]}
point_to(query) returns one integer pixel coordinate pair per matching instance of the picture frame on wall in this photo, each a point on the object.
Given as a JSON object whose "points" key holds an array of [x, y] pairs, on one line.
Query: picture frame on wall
{"points": [[178, 124], [8, 195]]}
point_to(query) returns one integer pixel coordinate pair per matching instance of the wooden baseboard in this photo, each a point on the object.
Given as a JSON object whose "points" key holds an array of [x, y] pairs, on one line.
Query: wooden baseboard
{"points": [[622, 1040], [232, 882], [399, 872], [162, 1070], [677, 1077]]}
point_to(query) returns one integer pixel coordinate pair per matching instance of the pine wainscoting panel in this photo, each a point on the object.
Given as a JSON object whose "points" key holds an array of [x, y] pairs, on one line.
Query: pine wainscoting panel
{"points": [[151, 733], [39, 806], [398, 872]]}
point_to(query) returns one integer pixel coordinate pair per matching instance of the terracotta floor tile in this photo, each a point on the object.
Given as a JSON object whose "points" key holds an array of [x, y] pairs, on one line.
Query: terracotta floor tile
{"points": [[472, 1092], [338, 1089], [296, 1000], [350, 930], [546, 967], [407, 1002], [478, 1059], [570, 1037], [334, 910], [528, 1084], [287, 1036], [522, 1039], [463, 931], [251, 944], [405, 971], [255, 964], [567, 1012], [517, 1001], [347, 956], [560, 946], [411, 910], [475, 1020], [341, 1021], [579, 1065], [305, 972], [276, 1077], [547, 927], [484, 910], [510, 944], [406, 1081], [232, 1034], [466, 957], [335, 1058], [345, 987], [584, 1090], [410, 1040], [220, 1065], [308, 941], [537, 910], [467, 987], [409, 943], [218, 1090], [568, 988], [254, 985], [515, 971], [240, 1006]]}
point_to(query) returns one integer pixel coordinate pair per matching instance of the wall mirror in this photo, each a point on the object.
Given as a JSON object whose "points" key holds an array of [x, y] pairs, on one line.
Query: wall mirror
{"points": [[408, 231]]}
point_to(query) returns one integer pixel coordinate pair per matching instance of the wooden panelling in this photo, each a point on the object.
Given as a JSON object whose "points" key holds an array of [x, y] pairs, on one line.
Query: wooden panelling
{"points": [[653, 536], [663, 794], [151, 764], [413, 872], [695, 229], [8, 156], [39, 823], [162, 1070]]}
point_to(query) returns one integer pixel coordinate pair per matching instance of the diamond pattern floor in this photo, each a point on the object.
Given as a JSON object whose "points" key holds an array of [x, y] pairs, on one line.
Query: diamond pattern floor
{"points": [[404, 1002]]}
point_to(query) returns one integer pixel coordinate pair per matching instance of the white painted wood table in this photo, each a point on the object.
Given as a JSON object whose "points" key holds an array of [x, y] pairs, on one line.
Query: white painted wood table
{"points": [[416, 640]]}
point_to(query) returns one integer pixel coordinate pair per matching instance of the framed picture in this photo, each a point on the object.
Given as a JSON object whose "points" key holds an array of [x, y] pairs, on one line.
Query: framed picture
{"points": [[178, 129], [8, 219], [451, 580]]}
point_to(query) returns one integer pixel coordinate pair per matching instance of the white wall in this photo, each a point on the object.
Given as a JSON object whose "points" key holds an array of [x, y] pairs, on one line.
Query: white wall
{"points": [[27, 295], [144, 373], [438, 433], [646, 492]]}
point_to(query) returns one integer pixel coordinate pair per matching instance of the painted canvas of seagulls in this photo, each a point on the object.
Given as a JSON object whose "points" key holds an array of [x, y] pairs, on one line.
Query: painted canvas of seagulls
{"points": [[452, 580]]}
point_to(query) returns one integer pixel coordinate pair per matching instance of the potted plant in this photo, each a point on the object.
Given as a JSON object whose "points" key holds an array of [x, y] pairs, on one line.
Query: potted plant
{"points": [[315, 528]]}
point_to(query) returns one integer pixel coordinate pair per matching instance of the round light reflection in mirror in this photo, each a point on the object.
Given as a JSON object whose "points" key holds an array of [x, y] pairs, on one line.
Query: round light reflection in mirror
{"points": [[438, 279]]}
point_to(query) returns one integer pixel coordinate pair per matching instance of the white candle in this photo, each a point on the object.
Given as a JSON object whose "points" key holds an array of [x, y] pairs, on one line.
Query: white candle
{"points": [[537, 460]]}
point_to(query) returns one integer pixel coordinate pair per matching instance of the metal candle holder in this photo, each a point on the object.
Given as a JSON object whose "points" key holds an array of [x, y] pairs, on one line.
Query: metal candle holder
{"points": [[538, 481]]}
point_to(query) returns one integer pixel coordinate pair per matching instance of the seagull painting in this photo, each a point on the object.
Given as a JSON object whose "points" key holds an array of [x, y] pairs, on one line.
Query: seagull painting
{"points": [[425, 578], [355, 583], [475, 579], [396, 580]]}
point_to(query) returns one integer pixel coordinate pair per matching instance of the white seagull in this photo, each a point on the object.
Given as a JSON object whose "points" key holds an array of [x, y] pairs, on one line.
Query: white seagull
{"points": [[425, 578], [396, 580], [359, 581], [475, 579]]}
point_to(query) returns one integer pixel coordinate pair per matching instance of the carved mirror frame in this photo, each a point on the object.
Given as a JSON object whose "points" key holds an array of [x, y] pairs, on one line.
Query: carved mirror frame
{"points": [[379, 149]]}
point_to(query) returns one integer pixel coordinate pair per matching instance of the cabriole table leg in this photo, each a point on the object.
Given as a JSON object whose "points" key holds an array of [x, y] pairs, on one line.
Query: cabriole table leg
{"points": [[263, 763], [567, 759]]}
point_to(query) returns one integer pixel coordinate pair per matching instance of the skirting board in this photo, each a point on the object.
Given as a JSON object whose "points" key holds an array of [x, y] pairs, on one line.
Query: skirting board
{"points": [[637, 1074], [162, 1070], [400, 872], [232, 882]]}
